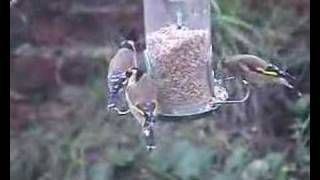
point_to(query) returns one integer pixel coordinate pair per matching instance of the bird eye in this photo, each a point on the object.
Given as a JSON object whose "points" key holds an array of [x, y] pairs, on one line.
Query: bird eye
{"points": [[128, 74], [272, 68]]}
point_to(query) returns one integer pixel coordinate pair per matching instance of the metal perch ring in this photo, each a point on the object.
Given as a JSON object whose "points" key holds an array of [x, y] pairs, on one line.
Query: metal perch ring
{"points": [[215, 101]]}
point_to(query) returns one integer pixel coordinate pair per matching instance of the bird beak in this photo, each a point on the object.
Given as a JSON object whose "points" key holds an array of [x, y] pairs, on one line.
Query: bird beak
{"points": [[286, 83], [290, 76]]}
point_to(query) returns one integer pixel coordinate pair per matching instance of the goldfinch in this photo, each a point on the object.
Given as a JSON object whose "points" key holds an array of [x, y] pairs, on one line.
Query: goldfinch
{"points": [[141, 95], [123, 60], [255, 70]]}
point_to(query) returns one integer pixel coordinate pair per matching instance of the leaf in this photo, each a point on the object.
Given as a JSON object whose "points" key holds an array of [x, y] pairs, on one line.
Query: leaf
{"points": [[182, 159], [194, 162], [238, 159], [121, 157], [256, 170], [101, 171], [275, 161], [302, 106], [226, 176]]}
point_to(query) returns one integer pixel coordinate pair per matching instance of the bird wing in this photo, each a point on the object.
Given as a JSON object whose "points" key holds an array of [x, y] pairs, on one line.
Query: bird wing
{"points": [[257, 65], [122, 60], [263, 67], [246, 58]]}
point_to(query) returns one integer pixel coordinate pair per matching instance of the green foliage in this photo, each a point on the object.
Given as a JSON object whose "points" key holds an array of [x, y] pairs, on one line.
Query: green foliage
{"points": [[242, 164], [231, 34], [302, 121], [102, 171], [121, 157], [235, 163], [302, 133], [270, 167], [183, 160], [238, 159]]}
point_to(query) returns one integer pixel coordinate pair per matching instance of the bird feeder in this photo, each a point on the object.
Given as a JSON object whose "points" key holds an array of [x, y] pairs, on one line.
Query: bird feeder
{"points": [[178, 56]]}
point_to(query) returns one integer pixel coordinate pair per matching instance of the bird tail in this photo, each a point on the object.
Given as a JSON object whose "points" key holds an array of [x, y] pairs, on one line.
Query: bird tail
{"points": [[115, 83], [149, 138], [112, 100], [149, 109]]}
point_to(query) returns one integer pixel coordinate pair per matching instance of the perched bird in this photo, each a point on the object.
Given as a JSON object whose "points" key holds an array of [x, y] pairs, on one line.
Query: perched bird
{"points": [[123, 60], [255, 70], [141, 95]]}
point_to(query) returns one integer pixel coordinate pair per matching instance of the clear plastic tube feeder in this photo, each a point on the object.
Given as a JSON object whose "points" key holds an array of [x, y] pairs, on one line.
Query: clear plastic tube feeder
{"points": [[179, 54]]}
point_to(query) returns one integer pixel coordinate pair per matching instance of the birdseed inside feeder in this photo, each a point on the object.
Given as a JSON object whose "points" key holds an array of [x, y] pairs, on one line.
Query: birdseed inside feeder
{"points": [[178, 56]]}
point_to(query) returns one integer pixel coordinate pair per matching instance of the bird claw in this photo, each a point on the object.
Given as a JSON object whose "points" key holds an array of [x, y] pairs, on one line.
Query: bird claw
{"points": [[120, 112], [111, 106]]}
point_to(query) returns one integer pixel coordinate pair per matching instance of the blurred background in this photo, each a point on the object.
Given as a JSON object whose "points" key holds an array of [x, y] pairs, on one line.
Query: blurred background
{"points": [[59, 128]]}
